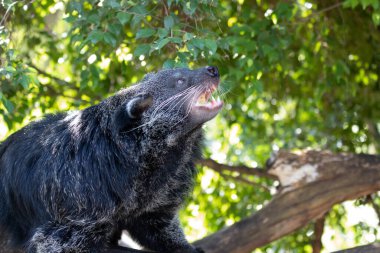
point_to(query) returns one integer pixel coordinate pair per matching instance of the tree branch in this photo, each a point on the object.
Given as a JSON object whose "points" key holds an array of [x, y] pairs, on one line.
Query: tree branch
{"points": [[374, 205], [62, 83], [318, 232], [56, 79], [371, 248], [312, 183], [244, 180], [240, 168], [375, 134]]}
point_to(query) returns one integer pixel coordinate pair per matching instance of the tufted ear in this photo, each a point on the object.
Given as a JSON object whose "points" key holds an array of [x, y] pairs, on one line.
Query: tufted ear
{"points": [[136, 106], [130, 112]]}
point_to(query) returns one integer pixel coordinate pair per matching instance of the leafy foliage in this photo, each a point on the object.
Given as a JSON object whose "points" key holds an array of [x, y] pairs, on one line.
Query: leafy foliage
{"points": [[295, 75]]}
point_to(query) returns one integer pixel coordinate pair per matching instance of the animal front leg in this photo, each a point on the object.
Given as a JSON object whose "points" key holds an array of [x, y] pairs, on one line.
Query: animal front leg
{"points": [[71, 237], [160, 232]]}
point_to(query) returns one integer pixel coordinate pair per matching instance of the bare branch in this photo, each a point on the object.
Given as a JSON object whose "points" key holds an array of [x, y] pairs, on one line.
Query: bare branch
{"points": [[240, 169], [322, 180], [56, 79], [328, 8], [375, 134], [244, 180], [318, 232], [63, 84], [375, 206]]}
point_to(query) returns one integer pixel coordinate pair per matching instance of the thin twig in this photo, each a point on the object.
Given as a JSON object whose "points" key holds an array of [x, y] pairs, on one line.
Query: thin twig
{"points": [[244, 180], [56, 79], [329, 8], [7, 12], [318, 232], [375, 206], [375, 134], [61, 82], [239, 168]]}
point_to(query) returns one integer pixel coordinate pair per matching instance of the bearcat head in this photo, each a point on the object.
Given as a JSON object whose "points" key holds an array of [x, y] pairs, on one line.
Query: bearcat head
{"points": [[172, 102]]}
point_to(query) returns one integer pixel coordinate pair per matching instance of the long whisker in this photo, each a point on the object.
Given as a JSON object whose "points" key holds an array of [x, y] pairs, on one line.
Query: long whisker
{"points": [[182, 96], [180, 100], [169, 100], [179, 104], [175, 103], [190, 105]]}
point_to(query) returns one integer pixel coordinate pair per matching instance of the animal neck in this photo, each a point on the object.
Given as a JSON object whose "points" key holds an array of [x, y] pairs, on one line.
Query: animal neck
{"points": [[170, 149]]}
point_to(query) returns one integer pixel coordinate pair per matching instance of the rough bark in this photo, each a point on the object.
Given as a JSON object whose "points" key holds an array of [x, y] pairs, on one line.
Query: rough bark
{"points": [[372, 248], [312, 182]]}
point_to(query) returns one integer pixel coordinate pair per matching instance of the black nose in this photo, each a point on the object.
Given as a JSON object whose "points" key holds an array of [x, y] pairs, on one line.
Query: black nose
{"points": [[212, 71]]}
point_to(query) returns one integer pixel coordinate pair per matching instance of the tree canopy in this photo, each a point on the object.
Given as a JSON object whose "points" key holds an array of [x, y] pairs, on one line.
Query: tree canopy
{"points": [[295, 74]]}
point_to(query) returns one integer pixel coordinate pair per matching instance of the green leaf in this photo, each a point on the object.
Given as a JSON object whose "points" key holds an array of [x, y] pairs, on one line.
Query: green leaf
{"points": [[142, 49], [8, 105], [112, 3], [168, 64], [284, 11], [160, 44], [24, 81], [168, 22], [211, 44], [183, 56], [127, 3], [373, 3], [190, 7], [350, 3], [70, 19], [188, 36], [10, 69], [124, 17], [176, 40], [95, 36], [76, 37], [145, 33], [136, 21], [139, 10], [162, 33], [169, 3], [115, 28], [110, 39], [34, 79], [199, 43], [258, 86], [376, 18], [94, 19]]}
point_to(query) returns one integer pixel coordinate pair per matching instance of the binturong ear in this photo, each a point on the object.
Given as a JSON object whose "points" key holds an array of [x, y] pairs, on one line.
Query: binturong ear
{"points": [[129, 113]]}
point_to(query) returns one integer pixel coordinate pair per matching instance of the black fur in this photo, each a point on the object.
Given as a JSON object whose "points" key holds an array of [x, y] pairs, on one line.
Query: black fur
{"points": [[72, 182]]}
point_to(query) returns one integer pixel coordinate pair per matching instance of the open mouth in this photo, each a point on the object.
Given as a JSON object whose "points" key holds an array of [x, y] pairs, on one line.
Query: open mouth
{"points": [[206, 101]]}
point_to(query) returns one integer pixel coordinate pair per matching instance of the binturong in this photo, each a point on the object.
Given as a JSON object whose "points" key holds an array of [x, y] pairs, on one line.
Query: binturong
{"points": [[72, 182]]}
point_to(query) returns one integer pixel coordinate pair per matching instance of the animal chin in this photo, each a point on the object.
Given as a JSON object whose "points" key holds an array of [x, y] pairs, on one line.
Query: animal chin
{"points": [[206, 107]]}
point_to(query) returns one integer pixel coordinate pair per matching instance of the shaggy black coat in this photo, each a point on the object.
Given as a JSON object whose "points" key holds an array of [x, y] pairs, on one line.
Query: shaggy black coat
{"points": [[72, 182]]}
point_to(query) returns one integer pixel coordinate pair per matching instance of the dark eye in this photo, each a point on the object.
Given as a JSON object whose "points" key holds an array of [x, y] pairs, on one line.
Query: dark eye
{"points": [[180, 81]]}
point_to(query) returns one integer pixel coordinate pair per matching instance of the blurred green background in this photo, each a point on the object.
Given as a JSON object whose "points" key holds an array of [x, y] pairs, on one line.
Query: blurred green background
{"points": [[295, 75]]}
